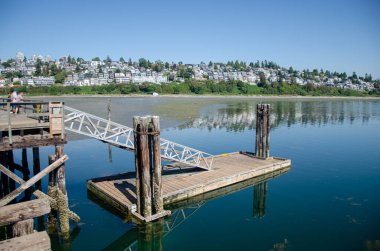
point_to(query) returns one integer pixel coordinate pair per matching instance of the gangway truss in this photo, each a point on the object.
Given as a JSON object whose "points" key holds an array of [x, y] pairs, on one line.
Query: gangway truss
{"points": [[123, 136]]}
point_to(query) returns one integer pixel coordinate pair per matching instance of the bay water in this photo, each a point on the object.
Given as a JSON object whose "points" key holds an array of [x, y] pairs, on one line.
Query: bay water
{"points": [[328, 200]]}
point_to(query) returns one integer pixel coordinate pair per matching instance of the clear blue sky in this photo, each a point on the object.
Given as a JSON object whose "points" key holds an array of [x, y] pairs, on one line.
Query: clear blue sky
{"points": [[329, 34]]}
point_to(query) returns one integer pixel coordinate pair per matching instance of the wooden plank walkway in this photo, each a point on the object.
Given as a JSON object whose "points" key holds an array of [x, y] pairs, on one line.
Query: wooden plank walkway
{"points": [[27, 131], [20, 121], [178, 184]]}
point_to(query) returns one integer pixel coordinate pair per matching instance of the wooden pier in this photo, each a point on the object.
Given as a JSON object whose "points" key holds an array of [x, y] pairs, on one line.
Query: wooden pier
{"points": [[32, 124], [180, 184], [137, 193], [37, 125]]}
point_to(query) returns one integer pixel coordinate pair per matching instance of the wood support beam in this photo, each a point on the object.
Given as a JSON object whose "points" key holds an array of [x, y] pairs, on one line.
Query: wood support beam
{"points": [[53, 203], [4, 201], [32, 242], [23, 211]]}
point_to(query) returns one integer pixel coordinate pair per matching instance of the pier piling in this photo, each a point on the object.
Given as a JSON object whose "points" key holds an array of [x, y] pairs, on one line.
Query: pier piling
{"points": [[61, 195], [148, 167], [262, 131], [36, 165]]}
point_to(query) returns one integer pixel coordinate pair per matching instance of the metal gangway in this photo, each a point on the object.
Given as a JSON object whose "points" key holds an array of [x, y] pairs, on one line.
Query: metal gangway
{"points": [[123, 136]]}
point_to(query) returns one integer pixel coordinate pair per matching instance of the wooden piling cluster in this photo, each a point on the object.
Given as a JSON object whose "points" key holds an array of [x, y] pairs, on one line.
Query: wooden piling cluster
{"points": [[33, 130], [149, 202], [262, 131]]}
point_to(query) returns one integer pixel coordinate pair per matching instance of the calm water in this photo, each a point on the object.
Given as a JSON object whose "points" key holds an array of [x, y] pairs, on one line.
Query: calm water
{"points": [[329, 200]]}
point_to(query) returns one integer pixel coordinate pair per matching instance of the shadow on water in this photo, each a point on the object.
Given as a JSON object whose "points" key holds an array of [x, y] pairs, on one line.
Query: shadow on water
{"points": [[149, 237]]}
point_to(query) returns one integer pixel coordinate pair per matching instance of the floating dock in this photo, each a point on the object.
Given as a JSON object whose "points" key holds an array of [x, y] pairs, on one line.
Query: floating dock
{"points": [[119, 191]]}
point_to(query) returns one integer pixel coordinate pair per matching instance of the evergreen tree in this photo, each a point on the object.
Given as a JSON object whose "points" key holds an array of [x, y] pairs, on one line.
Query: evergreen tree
{"points": [[38, 66]]}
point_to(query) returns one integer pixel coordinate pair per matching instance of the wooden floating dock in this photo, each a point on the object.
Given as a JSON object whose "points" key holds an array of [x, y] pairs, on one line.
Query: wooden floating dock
{"points": [[118, 191]]}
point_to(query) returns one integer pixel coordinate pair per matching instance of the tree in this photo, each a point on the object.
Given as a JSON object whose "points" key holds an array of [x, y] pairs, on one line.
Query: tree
{"points": [[6, 64], [53, 70], [143, 63], [100, 70], [130, 62], [158, 66], [60, 76], [343, 75], [77, 69], [368, 77], [236, 65], [122, 60], [210, 64], [38, 66], [96, 59], [354, 76], [263, 80]]}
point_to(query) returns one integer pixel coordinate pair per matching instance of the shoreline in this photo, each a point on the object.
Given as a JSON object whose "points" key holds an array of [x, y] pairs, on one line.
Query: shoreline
{"points": [[206, 96]]}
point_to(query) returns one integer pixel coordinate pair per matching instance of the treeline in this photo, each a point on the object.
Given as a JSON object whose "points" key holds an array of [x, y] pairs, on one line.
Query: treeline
{"points": [[194, 87]]}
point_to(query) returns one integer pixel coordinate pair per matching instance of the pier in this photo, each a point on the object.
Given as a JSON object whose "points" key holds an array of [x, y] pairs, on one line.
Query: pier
{"points": [[186, 182], [36, 124], [143, 195], [193, 172]]}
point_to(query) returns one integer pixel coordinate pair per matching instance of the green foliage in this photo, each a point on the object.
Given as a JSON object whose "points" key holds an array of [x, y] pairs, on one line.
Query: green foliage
{"points": [[143, 63], [38, 65], [60, 76], [195, 87]]}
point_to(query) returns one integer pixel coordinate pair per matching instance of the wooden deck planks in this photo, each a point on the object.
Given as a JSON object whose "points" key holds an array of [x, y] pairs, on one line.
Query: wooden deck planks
{"points": [[228, 169]]}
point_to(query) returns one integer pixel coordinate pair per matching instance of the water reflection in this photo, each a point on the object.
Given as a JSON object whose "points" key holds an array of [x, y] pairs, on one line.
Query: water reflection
{"points": [[149, 237], [260, 199], [239, 116]]}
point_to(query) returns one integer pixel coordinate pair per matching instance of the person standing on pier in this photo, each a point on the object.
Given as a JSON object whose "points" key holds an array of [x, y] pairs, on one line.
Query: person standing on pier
{"points": [[13, 98], [20, 98]]}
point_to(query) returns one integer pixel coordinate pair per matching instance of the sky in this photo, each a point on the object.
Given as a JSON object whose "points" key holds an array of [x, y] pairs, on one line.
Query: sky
{"points": [[335, 35]]}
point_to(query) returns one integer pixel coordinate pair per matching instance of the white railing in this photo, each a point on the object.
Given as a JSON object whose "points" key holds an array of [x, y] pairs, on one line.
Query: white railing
{"points": [[120, 135]]}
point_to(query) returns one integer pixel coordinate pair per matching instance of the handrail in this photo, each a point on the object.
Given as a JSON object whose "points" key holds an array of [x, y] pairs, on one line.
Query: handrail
{"points": [[120, 135]]}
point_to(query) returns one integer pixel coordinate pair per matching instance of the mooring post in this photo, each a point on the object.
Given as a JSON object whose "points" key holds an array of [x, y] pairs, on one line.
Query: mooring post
{"points": [[52, 192], [4, 178], [143, 177], [155, 149], [11, 167], [36, 165], [262, 131], [25, 172], [61, 196]]}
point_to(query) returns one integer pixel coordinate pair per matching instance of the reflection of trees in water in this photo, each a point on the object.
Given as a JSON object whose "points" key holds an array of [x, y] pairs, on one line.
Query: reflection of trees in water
{"points": [[242, 115]]}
